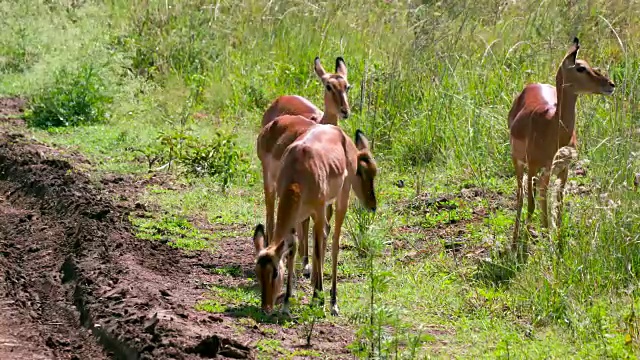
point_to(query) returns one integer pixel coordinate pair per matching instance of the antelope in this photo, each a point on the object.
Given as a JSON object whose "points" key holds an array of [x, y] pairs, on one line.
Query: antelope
{"points": [[336, 103], [319, 168], [542, 120], [336, 106]]}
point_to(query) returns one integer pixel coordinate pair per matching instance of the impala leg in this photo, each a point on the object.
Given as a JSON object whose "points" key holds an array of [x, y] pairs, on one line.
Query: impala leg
{"points": [[560, 196], [519, 177], [327, 227], [544, 185], [341, 211], [291, 257], [531, 204], [303, 237], [318, 253], [270, 201]]}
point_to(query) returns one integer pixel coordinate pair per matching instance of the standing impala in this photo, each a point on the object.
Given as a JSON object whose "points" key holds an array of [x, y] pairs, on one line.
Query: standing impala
{"points": [[542, 120], [336, 104], [318, 169], [274, 139]]}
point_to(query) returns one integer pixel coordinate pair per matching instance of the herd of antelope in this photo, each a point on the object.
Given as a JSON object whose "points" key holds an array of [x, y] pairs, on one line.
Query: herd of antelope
{"points": [[309, 163]]}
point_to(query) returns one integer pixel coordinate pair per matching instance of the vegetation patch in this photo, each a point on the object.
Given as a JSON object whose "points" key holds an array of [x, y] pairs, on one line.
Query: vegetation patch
{"points": [[74, 98], [180, 88], [173, 230]]}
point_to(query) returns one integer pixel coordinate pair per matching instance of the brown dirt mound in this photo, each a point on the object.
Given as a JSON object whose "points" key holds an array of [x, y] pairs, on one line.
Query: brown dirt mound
{"points": [[12, 108], [68, 259], [75, 284]]}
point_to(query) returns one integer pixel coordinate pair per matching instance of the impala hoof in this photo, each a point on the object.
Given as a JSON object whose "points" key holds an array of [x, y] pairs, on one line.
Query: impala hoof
{"points": [[334, 310]]}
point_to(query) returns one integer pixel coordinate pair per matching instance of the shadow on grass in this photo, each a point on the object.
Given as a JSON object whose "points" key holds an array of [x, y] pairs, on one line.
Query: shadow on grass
{"points": [[242, 301], [503, 266], [255, 312], [235, 271]]}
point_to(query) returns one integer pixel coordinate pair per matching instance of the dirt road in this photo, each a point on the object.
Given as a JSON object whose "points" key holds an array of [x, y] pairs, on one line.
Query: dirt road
{"points": [[76, 284]]}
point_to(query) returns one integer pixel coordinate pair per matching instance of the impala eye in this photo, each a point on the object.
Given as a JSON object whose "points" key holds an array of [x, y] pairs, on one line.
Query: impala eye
{"points": [[581, 69], [328, 87]]}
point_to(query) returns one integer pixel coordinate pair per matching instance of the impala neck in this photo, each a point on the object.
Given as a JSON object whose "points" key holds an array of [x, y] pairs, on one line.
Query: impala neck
{"points": [[328, 118], [566, 108]]}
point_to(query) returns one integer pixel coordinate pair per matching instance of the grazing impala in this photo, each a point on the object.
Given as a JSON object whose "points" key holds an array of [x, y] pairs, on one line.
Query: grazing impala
{"points": [[319, 168], [272, 141], [542, 120]]}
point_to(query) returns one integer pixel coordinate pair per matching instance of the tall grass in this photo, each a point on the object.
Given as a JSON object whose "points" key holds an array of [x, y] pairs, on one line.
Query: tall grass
{"points": [[433, 84]]}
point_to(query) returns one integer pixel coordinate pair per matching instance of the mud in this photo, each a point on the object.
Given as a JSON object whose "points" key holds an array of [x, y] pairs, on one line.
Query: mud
{"points": [[12, 110], [76, 284]]}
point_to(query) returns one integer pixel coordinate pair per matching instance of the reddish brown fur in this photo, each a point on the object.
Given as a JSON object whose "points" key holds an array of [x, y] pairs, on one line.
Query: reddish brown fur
{"points": [[291, 105], [542, 120], [336, 104], [272, 141], [319, 168], [336, 107]]}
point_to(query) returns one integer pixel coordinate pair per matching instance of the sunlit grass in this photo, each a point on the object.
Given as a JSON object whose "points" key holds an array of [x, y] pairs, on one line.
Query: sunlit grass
{"points": [[432, 85]]}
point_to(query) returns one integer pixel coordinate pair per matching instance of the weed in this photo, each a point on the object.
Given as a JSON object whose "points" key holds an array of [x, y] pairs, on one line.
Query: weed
{"points": [[233, 270], [175, 230], [268, 348], [75, 98], [432, 85], [308, 316], [211, 306], [269, 331], [303, 353], [219, 158]]}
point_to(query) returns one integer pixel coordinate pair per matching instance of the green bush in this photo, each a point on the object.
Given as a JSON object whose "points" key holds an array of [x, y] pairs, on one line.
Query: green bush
{"points": [[219, 157], [74, 98]]}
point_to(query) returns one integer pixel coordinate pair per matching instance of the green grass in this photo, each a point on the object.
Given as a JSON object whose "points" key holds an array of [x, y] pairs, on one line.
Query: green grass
{"points": [[234, 271], [176, 231], [432, 85]]}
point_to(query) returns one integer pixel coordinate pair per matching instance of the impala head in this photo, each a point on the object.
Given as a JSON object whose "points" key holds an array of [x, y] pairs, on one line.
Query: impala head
{"points": [[366, 172], [269, 269], [581, 77], [336, 88]]}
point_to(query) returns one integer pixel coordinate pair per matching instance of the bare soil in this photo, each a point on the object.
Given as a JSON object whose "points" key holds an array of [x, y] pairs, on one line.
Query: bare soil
{"points": [[76, 284], [451, 234], [12, 109]]}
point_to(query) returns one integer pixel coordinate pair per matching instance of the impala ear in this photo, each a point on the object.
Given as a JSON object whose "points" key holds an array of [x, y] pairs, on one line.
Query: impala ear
{"points": [[317, 66], [572, 54], [286, 245], [259, 239], [361, 141], [341, 67]]}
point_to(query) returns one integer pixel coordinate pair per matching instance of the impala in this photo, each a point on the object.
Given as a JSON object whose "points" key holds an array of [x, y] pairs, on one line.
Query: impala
{"points": [[336, 104], [542, 120], [319, 168], [272, 141]]}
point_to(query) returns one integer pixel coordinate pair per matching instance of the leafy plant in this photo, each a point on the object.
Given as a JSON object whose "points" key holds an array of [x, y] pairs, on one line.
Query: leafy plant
{"points": [[219, 157], [175, 230], [308, 317], [75, 98]]}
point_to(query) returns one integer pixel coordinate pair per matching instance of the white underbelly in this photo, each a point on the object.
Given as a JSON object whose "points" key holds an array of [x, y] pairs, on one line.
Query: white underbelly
{"points": [[334, 188]]}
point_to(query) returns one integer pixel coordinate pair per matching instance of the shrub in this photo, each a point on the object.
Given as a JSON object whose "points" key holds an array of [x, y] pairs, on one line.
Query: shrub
{"points": [[219, 157], [75, 98]]}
